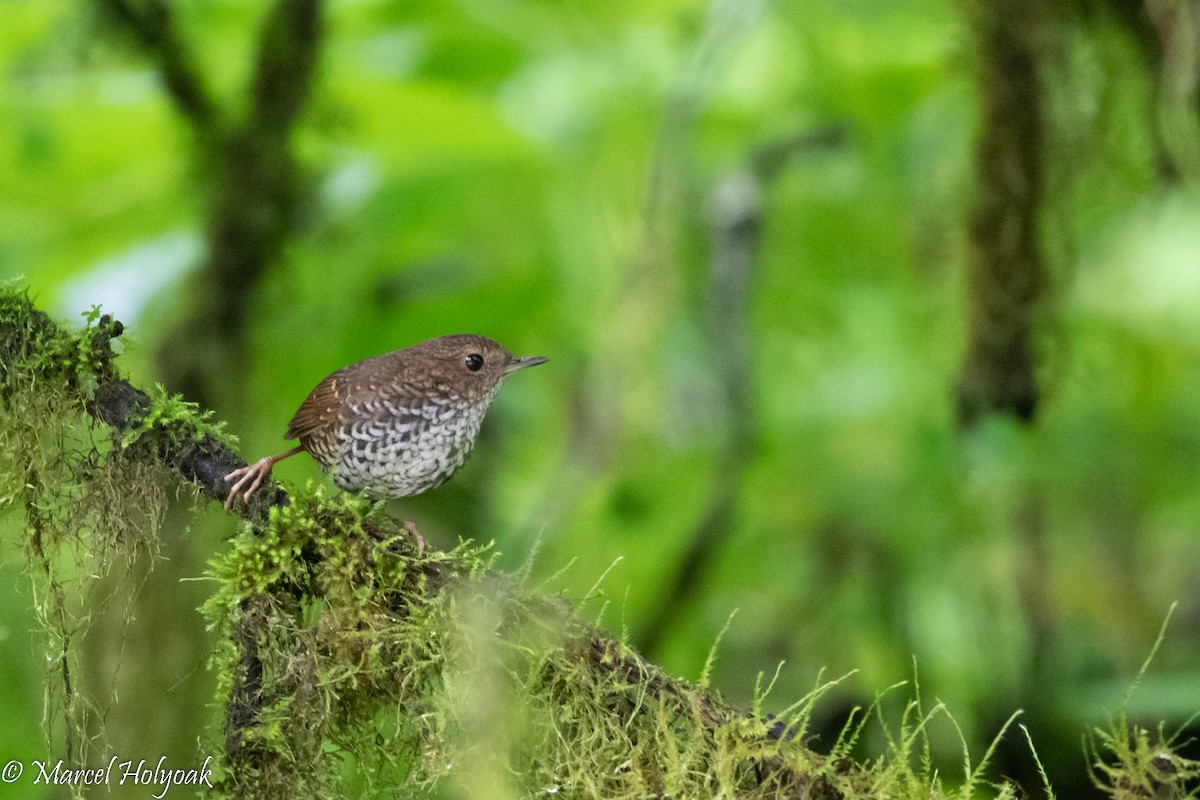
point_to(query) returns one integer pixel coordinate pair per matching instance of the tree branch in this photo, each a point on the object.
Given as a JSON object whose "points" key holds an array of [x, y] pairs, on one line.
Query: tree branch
{"points": [[287, 57], [152, 25], [584, 653]]}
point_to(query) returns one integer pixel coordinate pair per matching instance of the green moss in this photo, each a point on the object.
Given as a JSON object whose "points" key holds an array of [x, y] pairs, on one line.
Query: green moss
{"points": [[178, 420], [35, 350], [1129, 762], [383, 666], [335, 595], [88, 505], [353, 663]]}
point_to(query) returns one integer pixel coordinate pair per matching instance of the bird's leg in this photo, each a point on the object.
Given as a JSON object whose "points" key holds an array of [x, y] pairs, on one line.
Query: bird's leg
{"points": [[412, 530], [254, 474]]}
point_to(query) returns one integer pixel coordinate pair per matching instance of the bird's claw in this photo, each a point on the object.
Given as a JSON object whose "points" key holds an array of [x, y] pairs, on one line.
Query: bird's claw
{"points": [[412, 531], [254, 474]]}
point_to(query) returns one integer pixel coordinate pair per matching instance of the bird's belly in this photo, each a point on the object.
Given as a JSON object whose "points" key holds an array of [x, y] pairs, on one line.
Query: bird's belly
{"points": [[396, 466]]}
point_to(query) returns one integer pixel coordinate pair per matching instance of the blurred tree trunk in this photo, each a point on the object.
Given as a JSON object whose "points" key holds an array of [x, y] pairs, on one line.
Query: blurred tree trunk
{"points": [[250, 184], [254, 187], [1174, 52], [1007, 280], [1006, 287], [251, 180], [1165, 33]]}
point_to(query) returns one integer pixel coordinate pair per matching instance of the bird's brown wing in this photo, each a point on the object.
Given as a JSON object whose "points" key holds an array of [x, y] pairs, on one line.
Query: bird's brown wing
{"points": [[315, 422], [358, 400]]}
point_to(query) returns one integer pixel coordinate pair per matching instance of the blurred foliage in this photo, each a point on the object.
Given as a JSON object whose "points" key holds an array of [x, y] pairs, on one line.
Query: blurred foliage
{"points": [[542, 172]]}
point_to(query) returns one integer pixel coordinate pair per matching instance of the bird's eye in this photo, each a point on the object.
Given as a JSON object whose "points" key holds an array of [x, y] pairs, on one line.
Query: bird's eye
{"points": [[474, 362]]}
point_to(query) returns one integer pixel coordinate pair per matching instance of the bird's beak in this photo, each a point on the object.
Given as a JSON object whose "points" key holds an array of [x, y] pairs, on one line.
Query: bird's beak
{"points": [[520, 362]]}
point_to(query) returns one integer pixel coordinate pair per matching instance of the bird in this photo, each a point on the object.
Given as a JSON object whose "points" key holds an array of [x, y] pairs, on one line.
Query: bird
{"points": [[397, 424]]}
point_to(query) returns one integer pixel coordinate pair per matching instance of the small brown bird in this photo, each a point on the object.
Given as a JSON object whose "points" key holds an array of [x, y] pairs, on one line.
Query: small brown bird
{"points": [[397, 424]]}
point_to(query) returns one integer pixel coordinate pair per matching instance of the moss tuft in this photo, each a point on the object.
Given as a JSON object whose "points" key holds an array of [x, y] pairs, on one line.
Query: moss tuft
{"points": [[88, 504]]}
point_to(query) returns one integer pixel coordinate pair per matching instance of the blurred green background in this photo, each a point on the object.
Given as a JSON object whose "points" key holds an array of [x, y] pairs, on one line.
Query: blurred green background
{"points": [[555, 175]]}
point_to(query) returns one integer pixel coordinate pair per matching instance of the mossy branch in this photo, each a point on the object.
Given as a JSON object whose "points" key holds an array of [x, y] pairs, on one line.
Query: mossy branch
{"points": [[183, 438], [331, 617], [353, 663]]}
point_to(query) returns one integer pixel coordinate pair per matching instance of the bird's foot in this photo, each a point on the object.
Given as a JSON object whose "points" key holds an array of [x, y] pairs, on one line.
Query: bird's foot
{"points": [[254, 474], [412, 531]]}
